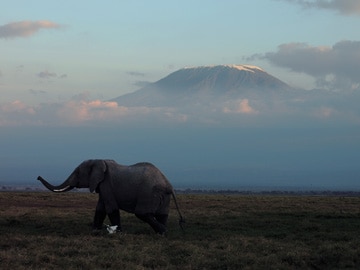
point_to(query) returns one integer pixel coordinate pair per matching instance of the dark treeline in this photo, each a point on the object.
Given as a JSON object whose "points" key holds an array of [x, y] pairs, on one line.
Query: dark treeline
{"points": [[272, 192], [220, 191]]}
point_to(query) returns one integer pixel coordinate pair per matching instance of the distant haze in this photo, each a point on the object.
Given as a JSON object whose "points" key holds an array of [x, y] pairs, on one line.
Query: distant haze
{"points": [[211, 127]]}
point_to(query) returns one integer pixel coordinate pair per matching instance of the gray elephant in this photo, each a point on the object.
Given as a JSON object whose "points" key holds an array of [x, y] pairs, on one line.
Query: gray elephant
{"points": [[141, 189]]}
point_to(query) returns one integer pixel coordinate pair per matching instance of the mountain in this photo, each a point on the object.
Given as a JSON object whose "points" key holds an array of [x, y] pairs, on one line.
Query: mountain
{"points": [[207, 84], [238, 93]]}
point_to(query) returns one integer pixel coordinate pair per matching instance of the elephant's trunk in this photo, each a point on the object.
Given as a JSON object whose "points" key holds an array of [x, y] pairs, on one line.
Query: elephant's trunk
{"points": [[61, 188]]}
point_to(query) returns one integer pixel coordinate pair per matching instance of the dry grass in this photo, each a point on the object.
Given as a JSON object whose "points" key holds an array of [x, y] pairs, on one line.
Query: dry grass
{"points": [[51, 231]]}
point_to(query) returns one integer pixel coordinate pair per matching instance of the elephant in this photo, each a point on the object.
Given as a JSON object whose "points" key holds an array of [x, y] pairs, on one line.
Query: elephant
{"points": [[141, 189]]}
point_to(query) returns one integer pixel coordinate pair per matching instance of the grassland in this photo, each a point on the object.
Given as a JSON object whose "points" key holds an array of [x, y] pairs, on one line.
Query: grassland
{"points": [[51, 231]]}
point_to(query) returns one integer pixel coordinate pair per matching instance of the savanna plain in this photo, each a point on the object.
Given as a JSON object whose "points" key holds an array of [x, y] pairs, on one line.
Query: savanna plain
{"points": [[43, 230]]}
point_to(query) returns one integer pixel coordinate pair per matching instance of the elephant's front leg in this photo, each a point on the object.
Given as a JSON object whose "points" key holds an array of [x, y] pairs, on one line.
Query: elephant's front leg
{"points": [[100, 214], [114, 217], [99, 219]]}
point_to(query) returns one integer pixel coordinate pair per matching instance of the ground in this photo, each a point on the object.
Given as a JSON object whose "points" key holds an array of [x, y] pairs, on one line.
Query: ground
{"points": [[52, 231]]}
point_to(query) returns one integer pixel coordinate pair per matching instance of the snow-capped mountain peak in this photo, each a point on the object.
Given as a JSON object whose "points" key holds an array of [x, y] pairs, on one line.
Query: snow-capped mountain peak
{"points": [[246, 67], [249, 68]]}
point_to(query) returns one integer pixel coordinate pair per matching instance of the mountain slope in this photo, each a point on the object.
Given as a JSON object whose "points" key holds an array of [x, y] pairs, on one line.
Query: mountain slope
{"points": [[204, 84], [220, 78]]}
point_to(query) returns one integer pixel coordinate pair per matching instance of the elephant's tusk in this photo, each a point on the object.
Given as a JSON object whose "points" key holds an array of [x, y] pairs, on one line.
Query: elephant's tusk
{"points": [[63, 189]]}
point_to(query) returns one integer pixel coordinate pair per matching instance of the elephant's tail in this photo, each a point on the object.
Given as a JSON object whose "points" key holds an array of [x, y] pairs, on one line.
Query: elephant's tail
{"points": [[181, 218]]}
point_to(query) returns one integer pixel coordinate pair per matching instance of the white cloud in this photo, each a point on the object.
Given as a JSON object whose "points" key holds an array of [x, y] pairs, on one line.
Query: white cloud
{"points": [[36, 92], [239, 106], [17, 106], [46, 74], [336, 67], [85, 111], [176, 116], [16, 113], [25, 28], [325, 112], [345, 7], [135, 73], [75, 111], [81, 110]]}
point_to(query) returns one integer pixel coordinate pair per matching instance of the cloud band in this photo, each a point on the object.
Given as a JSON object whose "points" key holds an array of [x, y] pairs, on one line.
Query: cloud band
{"points": [[341, 62], [25, 28], [345, 7]]}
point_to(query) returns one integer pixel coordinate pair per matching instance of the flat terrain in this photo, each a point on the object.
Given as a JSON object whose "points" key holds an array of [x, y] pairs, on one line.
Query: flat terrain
{"points": [[43, 230]]}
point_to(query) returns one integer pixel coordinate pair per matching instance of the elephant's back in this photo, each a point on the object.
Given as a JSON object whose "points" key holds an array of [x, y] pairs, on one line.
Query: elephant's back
{"points": [[140, 176]]}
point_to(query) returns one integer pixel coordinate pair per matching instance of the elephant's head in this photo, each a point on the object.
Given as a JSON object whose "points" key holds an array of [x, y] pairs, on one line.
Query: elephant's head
{"points": [[87, 175]]}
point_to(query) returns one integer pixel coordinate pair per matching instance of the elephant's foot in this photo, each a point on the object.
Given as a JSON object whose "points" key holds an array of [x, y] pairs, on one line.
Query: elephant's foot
{"points": [[99, 218], [113, 229], [114, 218], [151, 220]]}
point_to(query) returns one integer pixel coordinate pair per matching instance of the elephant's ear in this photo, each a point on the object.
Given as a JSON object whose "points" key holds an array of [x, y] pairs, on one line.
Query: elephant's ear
{"points": [[97, 174]]}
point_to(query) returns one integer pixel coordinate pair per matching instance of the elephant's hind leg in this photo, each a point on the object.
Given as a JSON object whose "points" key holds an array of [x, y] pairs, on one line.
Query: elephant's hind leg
{"points": [[153, 222], [162, 219]]}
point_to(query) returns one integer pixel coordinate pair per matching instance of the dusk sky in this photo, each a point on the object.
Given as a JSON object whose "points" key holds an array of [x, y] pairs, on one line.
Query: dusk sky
{"points": [[53, 50], [62, 61]]}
